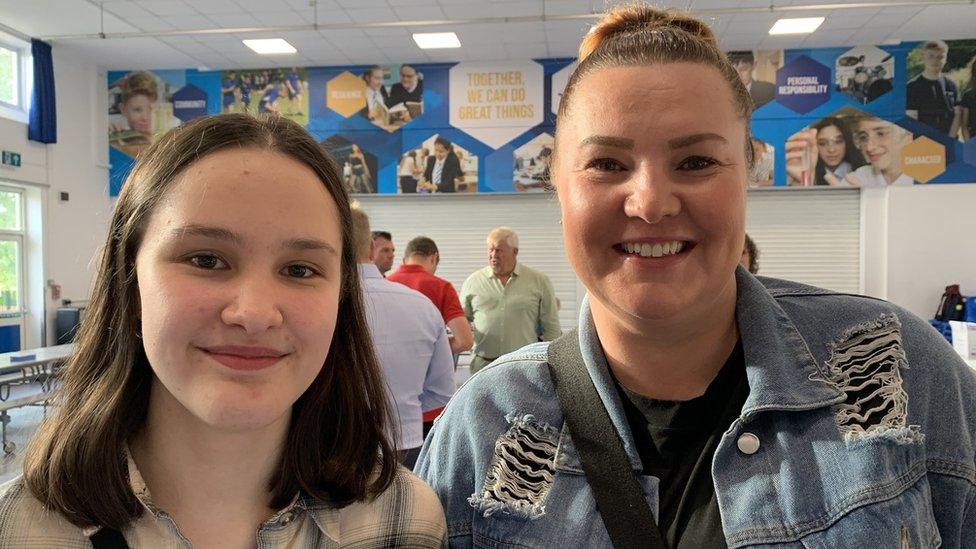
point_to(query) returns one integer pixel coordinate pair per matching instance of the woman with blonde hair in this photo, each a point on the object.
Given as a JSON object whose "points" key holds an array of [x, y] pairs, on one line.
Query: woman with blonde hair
{"points": [[697, 405], [223, 390]]}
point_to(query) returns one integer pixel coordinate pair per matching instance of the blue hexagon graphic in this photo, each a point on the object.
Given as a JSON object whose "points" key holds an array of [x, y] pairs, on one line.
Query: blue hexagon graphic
{"points": [[189, 102], [803, 84], [969, 152]]}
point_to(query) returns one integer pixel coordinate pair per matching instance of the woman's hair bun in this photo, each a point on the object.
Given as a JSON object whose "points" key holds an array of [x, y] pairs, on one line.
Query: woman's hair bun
{"points": [[639, 18]]}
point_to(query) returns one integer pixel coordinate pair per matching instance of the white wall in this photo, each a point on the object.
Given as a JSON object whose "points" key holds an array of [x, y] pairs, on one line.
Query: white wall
{"points": [[76, 164], [931, 243]]}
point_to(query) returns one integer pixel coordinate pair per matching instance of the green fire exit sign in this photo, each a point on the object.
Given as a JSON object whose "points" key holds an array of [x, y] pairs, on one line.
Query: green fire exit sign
{"points": [[11, 158]]}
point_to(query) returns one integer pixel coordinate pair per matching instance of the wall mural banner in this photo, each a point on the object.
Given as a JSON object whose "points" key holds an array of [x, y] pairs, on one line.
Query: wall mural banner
{"points": [[863, 116]]}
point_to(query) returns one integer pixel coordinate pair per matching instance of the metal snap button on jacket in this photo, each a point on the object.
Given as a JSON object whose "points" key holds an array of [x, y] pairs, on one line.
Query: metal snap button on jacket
{"points": [[748, 443]]}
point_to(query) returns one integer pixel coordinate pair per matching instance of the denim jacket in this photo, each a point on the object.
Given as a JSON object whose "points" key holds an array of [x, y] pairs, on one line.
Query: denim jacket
{"points": [[865, 420]]}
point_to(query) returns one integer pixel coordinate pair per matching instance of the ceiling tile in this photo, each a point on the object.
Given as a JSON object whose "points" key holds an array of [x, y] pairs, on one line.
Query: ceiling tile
{"points": [[835, 22], [208, 7], [306, 4], [526, 50], [150, 24], [390, 42], [523, 32], [131, 53], [167, 7], [419, 13], [178, 40], [360, 4], [126, 9], [706, 4], [235, 20], [279, 18], [401, 3], [191, 22], [572, 7], [485, 9], [330, 17], [265, 5], [387, 31], [372, 15], [732, 41], [565, 29], [828, 37]]}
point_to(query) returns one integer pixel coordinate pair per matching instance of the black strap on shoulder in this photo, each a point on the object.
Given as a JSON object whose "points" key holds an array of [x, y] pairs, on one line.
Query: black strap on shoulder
{"points": [[108, 538], [619, 497]]}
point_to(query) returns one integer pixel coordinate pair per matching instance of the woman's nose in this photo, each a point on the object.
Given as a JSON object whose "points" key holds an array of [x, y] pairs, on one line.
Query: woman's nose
{"points": [[652, 197], [253, 306]]}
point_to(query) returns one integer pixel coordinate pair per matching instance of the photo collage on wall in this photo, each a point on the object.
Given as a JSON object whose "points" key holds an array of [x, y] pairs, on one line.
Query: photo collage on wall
{"points": [[849, 116]]}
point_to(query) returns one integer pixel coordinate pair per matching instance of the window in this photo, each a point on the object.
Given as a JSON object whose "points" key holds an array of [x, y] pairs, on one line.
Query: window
{"points": [[11, 251], [10, 79], [12, 294]]}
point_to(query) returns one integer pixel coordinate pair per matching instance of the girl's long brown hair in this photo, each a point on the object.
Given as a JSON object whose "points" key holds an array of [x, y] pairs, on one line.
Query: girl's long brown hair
{"points": [[336, 448]]}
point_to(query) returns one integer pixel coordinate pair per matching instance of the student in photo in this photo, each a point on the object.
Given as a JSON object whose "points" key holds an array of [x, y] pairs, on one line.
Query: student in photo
{"points": [[744, 63], [293, 84], [881, 143], [443, 170], [138, 94], [836, 153], [932, 97], [696, 405], [269, 101], [376, 95], [360, 180], [540, 177], [228, 90], [246, 88], [761, 173], [223, 391], [407, 173], [968, 104]]}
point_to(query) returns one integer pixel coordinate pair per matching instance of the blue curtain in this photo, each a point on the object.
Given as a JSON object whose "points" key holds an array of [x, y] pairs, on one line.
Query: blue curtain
{"points": [[43, 114]]}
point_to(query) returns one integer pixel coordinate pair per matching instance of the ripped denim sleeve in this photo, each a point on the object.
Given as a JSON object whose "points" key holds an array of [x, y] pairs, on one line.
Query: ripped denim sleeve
{"points": [[521, 470], [866, 365]]}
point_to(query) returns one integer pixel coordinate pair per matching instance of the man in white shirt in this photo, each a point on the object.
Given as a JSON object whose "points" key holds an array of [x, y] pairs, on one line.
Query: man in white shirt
{"points": [[411, 346], [881, 143]]}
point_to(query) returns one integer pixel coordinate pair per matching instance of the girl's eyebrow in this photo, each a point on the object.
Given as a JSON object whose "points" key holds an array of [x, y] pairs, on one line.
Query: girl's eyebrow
{"points": [[220, 233]]}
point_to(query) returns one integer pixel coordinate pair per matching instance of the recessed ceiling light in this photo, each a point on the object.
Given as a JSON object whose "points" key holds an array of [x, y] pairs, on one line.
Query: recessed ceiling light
{"points": [[798, 25], [435, 40], [270, 46]]}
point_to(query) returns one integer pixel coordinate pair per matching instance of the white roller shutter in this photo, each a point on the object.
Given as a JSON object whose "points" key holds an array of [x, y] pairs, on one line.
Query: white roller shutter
{"points": [[807, 235], [459, 225]]}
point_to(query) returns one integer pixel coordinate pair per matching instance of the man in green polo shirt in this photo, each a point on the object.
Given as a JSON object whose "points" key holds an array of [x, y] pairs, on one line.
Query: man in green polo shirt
{"points": [[508, 304]]}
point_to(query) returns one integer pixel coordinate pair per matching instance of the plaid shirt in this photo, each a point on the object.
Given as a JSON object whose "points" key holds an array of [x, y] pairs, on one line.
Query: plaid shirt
{"points": [[406, 515]]}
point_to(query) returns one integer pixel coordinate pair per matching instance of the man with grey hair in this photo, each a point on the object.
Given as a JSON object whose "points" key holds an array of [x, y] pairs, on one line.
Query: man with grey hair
{"points": [[508, 304]]}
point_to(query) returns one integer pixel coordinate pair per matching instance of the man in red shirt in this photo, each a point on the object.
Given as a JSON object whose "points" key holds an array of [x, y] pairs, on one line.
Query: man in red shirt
{"points": [[419, 265]]}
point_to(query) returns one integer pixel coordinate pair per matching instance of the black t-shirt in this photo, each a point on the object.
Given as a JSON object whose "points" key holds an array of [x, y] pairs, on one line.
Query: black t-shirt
{"points": [[969, 102], [676, 442], [935, 101]]}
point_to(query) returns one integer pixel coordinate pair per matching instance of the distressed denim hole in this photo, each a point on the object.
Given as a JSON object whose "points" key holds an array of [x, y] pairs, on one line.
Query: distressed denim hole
{"points": [[865, 364], [521, 470]]}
